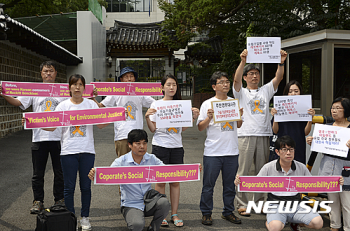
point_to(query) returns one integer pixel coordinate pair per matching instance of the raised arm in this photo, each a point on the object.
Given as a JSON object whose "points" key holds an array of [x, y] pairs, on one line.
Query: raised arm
{"points": [[237, 81], [280, 70]]}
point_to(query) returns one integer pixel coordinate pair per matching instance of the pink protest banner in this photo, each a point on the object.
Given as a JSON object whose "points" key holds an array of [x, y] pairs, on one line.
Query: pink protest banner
{"points": [[73, 118], [129, 88], [147, 174], [41, 89], [289, 184]]}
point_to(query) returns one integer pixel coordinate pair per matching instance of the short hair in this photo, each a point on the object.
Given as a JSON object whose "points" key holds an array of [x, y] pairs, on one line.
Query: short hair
{"points": [[177, 95], [137, 135], [284, 141], [217, 75], [250, 67], [48, 64], [345, 102], [73, 79], [288, 85]]}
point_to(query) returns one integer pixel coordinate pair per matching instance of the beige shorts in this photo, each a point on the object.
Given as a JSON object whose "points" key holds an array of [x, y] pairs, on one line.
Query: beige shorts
{"points": [[121, 147]]}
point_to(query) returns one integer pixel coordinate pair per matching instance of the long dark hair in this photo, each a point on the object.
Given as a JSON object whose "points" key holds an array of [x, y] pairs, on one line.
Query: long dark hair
{"points": [[287, 87], [73, 79], [177, 95]]}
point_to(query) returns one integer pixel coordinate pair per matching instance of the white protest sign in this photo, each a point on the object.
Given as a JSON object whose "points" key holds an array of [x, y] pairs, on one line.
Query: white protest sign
{"points": [[226, 110], [292, 108], [330, 139], [173, 113], [264, 50]]}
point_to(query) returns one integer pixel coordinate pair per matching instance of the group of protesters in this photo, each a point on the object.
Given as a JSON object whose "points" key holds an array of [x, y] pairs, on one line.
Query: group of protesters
{"points": [[230, 148]]}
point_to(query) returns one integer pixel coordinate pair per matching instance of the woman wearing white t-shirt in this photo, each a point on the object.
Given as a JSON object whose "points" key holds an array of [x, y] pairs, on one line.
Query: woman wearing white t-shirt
{"points": [[77, 150], [167, 144]]}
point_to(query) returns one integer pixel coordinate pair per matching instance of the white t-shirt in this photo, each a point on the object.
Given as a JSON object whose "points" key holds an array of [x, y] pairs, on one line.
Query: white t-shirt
{"points": [[222, 139], [166, 137], [42, 104], [133, 106], [255, 105], [77, 139]]}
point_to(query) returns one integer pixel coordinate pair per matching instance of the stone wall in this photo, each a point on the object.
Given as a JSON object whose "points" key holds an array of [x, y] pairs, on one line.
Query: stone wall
{"points": [[21, 65]]}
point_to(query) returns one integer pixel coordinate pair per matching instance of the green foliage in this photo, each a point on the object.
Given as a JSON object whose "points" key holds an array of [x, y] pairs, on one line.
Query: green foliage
{"points": [[234, 20], [25, 8]]}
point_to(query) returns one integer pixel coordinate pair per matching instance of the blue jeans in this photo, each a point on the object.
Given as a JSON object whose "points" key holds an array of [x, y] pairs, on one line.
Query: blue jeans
{"points": [[71, 164], [211, 170]]}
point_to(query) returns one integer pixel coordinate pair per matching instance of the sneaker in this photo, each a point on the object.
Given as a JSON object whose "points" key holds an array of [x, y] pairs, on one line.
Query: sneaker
{"points": [[207, 220], [232, 218], [295, 227], [85, 223], [37, 207], [60, 202]]}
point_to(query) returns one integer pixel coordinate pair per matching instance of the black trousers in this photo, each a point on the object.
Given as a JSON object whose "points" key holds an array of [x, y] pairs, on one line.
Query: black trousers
{"points": [[40, 154]]}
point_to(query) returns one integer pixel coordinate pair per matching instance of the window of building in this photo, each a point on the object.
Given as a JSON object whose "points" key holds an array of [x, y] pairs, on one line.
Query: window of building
{"points": [[341, 72], [305, 67], [129, 5]]}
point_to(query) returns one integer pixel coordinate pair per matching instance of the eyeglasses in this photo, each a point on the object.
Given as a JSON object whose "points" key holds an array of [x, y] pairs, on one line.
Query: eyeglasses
{"points": [[253, 73], [224, 82], [336, 108], [287, 149]]}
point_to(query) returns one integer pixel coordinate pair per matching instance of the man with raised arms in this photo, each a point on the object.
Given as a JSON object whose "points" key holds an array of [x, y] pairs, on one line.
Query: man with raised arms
{"points": [[253, 135]]}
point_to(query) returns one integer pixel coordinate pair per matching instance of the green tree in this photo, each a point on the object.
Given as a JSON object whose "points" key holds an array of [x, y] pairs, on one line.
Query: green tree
{"points": [[24, 8], [234, 20]]}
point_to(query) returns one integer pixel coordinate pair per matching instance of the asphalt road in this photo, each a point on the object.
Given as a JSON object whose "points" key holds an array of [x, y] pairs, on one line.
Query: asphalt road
{"points": [[16, 193]]}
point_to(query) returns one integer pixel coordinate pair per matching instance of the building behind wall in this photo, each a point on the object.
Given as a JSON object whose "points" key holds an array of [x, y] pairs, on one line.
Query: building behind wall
{"points": [[21, 65], [136, 17], [22, 50]]}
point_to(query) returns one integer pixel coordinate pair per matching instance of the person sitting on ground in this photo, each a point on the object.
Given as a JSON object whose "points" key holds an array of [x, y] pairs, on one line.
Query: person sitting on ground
{"points": [[285, 165], [132, 195]]}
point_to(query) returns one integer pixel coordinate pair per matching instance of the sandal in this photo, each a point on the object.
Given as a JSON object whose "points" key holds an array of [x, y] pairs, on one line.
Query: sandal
{"points": [[164, 223], [242, 212], [176, 222]]}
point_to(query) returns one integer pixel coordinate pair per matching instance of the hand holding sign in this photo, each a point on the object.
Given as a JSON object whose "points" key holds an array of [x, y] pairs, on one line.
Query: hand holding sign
{"points": [[195, 112]]}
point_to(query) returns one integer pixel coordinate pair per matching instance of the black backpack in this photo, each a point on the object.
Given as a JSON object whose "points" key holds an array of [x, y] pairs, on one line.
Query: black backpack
{"points": [[56, 218]]}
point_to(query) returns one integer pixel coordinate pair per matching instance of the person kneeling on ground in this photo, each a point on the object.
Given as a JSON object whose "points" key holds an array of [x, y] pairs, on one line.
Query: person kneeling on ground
{"points": [[285, 165], [132, 195]]}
